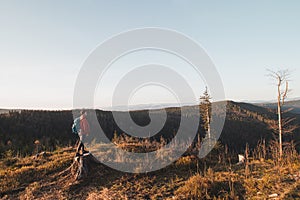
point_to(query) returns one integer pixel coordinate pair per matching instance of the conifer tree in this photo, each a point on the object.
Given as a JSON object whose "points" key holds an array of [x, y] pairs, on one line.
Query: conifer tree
{"points": [[205, 113]]}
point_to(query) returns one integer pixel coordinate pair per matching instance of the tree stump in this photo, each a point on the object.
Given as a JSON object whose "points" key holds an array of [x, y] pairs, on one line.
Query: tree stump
{"points": [[82, 165]]}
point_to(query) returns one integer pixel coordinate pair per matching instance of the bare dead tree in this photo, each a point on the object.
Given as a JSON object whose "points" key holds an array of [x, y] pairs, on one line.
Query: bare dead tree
{"points": [[282, 83]]}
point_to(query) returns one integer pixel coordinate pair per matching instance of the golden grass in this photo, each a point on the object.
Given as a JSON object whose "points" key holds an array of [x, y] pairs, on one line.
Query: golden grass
{"points": [[28, 178]]}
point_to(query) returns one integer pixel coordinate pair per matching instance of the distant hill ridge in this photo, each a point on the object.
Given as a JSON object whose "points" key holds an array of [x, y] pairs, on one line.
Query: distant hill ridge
{"points": [[294, 105], [245, 123]]}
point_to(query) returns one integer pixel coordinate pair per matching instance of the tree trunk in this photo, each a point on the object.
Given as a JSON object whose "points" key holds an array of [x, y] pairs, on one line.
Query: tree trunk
{"points": [[208, 128], [82, 165], [279, 119]]}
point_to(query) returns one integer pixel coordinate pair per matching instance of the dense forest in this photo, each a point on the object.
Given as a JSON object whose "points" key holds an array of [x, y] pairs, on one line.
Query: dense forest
{"points": [[24, 132]]}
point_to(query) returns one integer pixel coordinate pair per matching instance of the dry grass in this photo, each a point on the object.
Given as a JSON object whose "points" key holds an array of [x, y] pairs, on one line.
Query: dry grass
{"points": [[187, 178]]}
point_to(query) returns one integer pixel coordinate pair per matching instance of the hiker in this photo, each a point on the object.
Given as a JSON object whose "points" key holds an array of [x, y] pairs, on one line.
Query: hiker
{"points": [[82, 128]]}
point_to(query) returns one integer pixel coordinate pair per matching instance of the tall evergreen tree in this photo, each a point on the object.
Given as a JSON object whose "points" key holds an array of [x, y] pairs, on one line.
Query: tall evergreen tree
{"points": [[205, 113]]}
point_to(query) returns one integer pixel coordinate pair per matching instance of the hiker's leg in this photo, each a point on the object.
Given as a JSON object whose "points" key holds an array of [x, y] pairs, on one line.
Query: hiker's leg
{"points": [[83, 147], [83, 139], [77, 145], [80, 146]]}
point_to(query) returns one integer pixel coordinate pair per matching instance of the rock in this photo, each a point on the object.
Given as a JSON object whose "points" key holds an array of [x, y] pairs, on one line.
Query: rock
{"points": [[273, 195], [241, 159]]}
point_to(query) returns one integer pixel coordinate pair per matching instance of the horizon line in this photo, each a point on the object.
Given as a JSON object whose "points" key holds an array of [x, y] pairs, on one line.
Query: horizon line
{"points": [[154, 105]]}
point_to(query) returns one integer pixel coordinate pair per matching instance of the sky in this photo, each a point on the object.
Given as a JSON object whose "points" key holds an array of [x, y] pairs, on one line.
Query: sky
{"points": [[43, 45]]}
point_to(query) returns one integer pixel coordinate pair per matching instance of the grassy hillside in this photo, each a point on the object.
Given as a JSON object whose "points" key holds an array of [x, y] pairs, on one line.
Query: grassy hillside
{"points": [[49, 177]]}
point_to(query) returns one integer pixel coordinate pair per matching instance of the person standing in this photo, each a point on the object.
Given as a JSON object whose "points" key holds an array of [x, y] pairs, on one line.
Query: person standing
{"points": [[82, 128]]}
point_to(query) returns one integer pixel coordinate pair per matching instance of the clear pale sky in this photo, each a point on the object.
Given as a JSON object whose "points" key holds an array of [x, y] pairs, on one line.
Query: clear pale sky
{"points": [[44, 43]]}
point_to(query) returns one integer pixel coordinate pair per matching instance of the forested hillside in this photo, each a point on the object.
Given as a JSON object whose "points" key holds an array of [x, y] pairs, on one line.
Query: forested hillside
{"points": [[294, 106], [20, 130]]}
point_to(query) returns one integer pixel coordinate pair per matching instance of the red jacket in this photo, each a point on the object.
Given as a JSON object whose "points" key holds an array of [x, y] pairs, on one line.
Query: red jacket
{"points": [[84, 126]]}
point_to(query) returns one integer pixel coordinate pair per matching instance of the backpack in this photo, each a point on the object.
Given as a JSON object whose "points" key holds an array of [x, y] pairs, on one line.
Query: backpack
{"points": [[76, 125]]}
